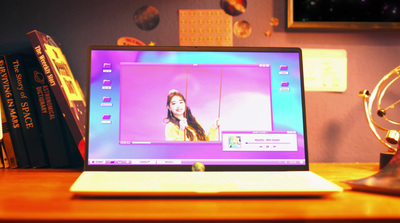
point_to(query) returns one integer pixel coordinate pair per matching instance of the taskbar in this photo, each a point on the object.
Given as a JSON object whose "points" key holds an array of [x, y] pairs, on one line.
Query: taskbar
{"points": [[192, 161]]}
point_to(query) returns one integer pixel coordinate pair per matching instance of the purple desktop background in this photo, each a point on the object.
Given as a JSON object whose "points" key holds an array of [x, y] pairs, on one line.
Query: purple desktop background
{"points": [[144, 93]]}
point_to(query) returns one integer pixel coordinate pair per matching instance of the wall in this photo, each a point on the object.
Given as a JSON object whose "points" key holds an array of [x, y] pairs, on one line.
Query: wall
{"points": [[337, 128]]}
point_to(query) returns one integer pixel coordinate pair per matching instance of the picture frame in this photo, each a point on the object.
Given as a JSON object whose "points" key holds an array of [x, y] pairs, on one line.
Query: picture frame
{"points": [[362, 23]]}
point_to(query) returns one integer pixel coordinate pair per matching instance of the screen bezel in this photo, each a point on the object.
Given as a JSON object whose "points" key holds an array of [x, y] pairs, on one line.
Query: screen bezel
{"points": [[88, 167]]}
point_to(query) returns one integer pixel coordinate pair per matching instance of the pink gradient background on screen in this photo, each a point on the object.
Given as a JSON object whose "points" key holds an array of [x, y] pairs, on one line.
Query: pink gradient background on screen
{"points": [[245, 103]]}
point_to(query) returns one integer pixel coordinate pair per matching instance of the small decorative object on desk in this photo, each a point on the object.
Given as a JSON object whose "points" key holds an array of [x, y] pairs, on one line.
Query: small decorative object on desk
{"points": [[387, 180], [392, 136]]}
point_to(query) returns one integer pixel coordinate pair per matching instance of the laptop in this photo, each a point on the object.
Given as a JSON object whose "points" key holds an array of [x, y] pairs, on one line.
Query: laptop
{"points": [[197, 121]]}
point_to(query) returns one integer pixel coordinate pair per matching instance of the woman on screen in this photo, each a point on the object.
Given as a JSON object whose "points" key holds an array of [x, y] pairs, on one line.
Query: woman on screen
{"points": [[181, 124]]}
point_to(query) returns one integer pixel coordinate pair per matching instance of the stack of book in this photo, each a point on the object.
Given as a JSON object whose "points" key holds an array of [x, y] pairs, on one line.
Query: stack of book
{"points": [[42, 108]]}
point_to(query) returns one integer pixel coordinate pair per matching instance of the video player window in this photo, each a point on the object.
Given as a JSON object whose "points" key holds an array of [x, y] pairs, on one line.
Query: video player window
{"points": [[215, 96]]}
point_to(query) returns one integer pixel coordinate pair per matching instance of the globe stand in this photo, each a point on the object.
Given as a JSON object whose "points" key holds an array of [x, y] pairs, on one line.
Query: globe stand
{"points": [[385, 181], [392, 137], [388, 178], [385, 158]]}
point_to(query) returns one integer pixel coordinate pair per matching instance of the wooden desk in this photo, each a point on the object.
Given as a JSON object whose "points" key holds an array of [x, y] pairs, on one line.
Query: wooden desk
{"points": [[42, 194]]}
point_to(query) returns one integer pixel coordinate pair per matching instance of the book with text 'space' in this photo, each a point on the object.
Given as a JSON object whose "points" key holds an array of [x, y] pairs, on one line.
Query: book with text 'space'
{"points": [[25, 111], [10, 111]]}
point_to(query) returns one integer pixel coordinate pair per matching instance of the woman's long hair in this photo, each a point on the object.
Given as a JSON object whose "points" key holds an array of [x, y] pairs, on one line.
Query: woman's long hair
{"points": [[201, 136]]}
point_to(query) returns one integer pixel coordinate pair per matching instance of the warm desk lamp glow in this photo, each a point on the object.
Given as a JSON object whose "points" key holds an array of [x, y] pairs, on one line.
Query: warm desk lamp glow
{"points": [[392, 136]]}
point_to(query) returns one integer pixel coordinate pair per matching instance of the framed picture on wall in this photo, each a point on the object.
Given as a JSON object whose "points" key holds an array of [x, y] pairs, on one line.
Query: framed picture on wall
{"points": [[343, 15]]}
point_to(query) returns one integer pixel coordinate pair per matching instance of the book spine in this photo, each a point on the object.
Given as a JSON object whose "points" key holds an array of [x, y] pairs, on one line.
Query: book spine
{"points": [[48, 115], [9, 149], [12, 117], [75, 156], [7, 143], [5, 162], [26, 112], [61, 98], [1, 162]]}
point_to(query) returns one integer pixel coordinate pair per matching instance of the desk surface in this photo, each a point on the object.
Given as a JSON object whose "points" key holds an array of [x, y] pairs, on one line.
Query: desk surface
{"points": [[42, 194]]}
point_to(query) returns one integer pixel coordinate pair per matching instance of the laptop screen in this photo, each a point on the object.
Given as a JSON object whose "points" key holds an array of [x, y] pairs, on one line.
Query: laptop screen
{"points": [[170, 107]]}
